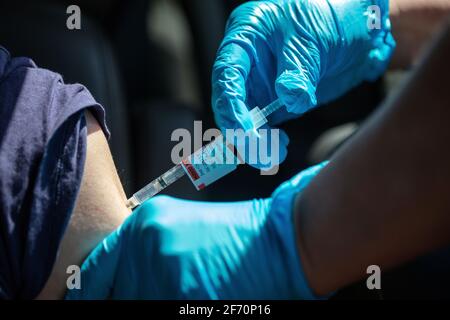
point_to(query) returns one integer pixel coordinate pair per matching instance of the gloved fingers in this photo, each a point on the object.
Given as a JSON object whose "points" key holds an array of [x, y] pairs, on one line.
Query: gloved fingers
{"points": [[281, 116], [98, 270], [296, 83], [229, 77], [275, 143], [264, 148]]}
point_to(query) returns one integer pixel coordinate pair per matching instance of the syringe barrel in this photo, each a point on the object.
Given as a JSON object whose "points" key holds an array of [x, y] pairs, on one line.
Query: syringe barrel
{"points": [[156, 186], [211, 162], [259, 116], [200, 173]]}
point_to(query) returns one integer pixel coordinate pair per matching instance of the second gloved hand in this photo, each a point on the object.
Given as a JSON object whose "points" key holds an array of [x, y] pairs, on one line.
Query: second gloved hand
{"points": [[302, 52], [177, 249]]}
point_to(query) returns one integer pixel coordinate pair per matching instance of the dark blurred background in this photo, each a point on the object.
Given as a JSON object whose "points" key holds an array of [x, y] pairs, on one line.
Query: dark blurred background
{"points": [[148, 62]]}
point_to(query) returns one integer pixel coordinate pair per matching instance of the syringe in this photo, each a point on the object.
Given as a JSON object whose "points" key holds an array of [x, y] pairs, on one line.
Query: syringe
{"points": [[203, 174]]}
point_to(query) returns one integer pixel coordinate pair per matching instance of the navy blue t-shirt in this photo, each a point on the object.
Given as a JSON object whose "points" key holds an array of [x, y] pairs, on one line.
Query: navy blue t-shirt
{"points": [[42, 152]]}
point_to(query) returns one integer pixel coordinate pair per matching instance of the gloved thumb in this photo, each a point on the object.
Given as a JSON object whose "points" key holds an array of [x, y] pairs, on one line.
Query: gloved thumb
{"points": [[295, 88], [264, 148]]}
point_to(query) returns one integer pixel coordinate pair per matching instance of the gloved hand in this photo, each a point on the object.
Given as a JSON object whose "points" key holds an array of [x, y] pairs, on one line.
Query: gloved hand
{"points": [[303, 52], [177, 249]]}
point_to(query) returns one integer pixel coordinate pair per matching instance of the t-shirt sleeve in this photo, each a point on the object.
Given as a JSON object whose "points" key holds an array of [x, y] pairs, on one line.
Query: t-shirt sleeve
{"points": [[43, 138]]}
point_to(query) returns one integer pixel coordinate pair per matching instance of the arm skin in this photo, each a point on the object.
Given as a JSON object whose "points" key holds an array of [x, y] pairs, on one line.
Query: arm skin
{"points": [[100, 209], [414, 22], [384, 197], [101, 206]]}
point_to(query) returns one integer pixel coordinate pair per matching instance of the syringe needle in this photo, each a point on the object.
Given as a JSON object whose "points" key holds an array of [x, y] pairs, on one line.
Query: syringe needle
{"points": [[156, 186]]}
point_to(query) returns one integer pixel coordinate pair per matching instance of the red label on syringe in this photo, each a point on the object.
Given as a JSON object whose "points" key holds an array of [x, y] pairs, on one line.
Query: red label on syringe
{"points": [[211, 162]]}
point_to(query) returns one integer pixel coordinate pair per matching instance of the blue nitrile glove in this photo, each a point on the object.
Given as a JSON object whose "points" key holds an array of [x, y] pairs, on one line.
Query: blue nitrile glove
{"points": [[178, 249], [304, 52]]}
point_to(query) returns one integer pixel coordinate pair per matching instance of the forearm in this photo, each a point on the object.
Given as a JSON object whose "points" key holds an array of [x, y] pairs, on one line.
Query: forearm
{"points": [[414, 22], [383, 199]]}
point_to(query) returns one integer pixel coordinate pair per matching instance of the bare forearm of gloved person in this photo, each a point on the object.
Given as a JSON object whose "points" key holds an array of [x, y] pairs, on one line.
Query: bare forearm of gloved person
{"points": [[414, 23], [383, 199]]}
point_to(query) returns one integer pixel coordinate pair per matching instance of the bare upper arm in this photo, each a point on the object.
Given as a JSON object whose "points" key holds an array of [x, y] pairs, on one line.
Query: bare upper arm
{"points": [[100, 208]]}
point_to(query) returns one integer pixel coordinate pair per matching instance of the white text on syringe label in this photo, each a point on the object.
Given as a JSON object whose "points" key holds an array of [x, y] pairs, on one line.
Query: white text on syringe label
{"points": [[211, 162]]}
